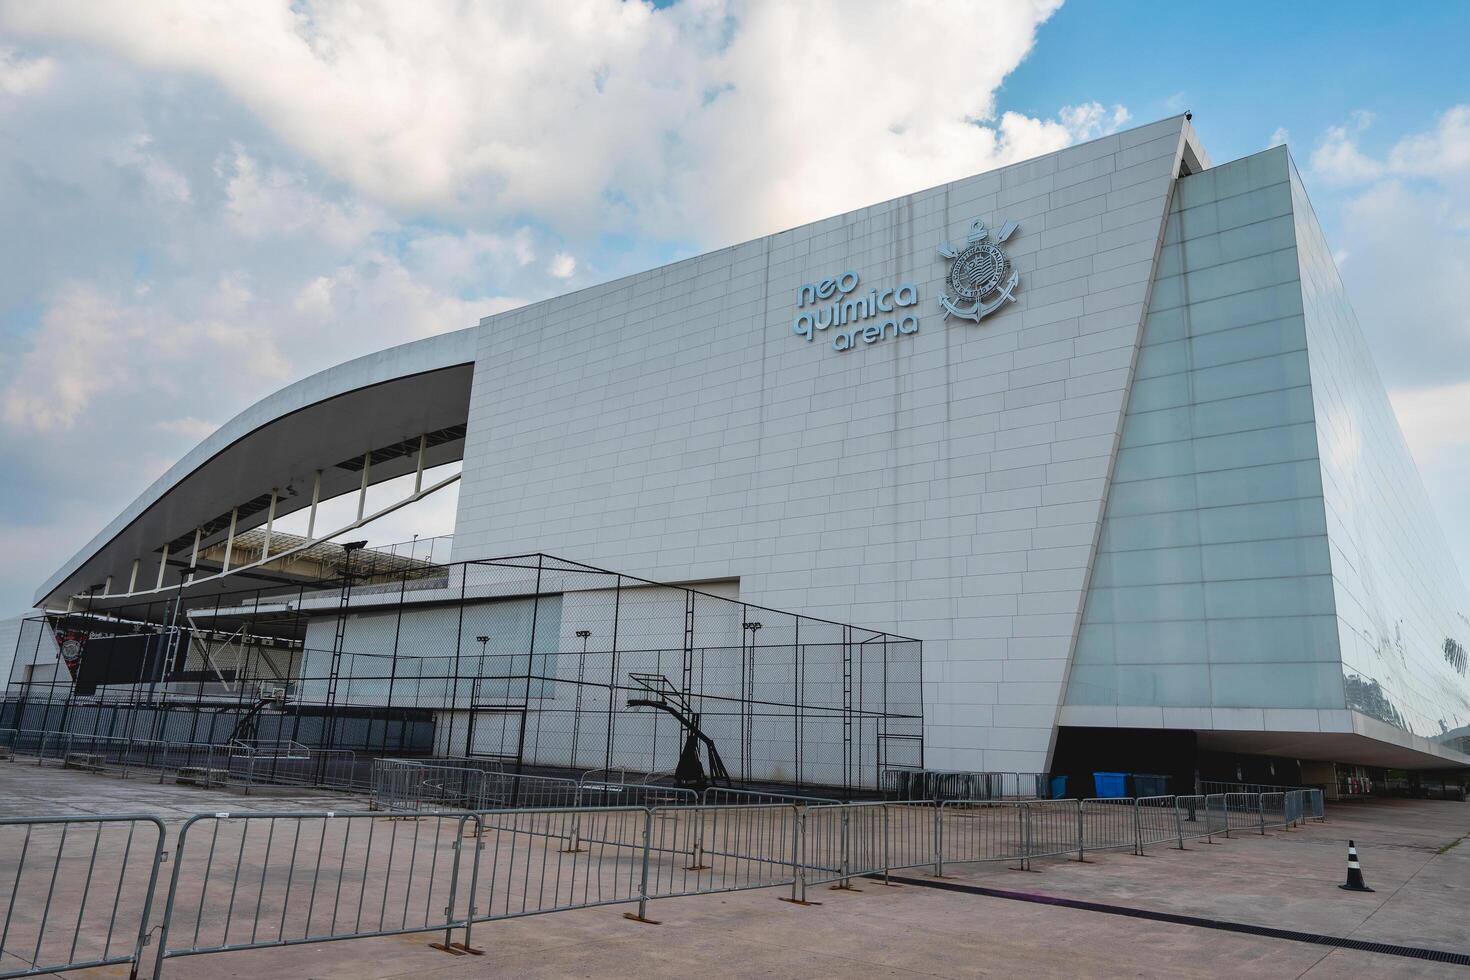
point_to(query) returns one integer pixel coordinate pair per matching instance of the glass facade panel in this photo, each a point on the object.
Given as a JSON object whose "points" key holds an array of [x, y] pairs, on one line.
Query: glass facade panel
{"points": [[1212, 585], [1400, 599], [1267, 541]]}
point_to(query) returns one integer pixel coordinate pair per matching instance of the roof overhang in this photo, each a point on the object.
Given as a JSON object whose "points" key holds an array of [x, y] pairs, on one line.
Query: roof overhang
{"points": [[279, 443]]}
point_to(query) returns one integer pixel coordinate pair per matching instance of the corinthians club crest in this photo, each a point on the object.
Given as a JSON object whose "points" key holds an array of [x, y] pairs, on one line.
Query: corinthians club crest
{"points": [[981, 279]]}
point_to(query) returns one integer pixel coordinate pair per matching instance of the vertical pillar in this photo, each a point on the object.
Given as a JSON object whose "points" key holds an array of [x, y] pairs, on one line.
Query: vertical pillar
{"points": [[230, 538], [133, 576], [107, 586], [367, 464], [194, 557], [270, 524], [418, 477], [162, 565], [316, 496]]}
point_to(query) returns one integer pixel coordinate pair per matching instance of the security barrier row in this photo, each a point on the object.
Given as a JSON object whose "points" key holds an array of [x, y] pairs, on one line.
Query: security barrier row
{"points": [[242, 765], [91, 891], [429, 786]]}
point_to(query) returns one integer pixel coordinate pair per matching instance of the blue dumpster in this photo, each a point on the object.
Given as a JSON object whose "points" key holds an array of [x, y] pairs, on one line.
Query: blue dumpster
{"points": [[1110, 785], [1059, 787]]}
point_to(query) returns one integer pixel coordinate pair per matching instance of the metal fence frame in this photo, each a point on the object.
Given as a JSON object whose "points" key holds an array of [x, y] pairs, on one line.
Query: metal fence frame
{"points": [[329, 818], [524, 861], [154, 856]]}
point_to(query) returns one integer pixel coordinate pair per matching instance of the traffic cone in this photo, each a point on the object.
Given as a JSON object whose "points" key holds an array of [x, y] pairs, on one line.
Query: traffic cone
{"points": [[1355, 881]]}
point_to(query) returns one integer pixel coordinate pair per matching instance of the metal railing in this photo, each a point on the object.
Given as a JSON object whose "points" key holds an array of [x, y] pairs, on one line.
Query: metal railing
{"points": [[1158, 821], [85, 890], [1109, 823], [941, 785], [237, 764], [731, 795], [246, 881], [75, 902]]}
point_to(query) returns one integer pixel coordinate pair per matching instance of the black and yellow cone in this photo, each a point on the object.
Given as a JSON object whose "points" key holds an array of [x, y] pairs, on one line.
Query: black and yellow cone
{"points": [[1355, 881]]}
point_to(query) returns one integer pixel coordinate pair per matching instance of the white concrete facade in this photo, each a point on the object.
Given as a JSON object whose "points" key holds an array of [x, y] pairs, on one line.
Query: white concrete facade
{"points": [[947, 483], [1134, 497]]}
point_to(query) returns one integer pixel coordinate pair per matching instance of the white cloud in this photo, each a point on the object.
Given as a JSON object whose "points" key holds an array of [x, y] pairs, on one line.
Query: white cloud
{"points": [[1443, 153], [563, 265], [1403, 244], [1337, 159], [164, 182], [272, 202], [22, 76], [1404, 218], [719, 117], [1279, 137], [92, 344], [186, 426], [462, 260], [1091, 120]]}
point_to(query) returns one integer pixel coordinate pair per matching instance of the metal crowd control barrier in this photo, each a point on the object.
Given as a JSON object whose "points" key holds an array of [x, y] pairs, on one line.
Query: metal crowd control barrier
{"points": [[1314, 805], [529, 861], [1243, 812], [1273, 810], [199, 763], [598, 793], [698, 850], [942, 785], [973, 832], [1191, 813], [1157, 821], [252, 880], [87, 905], [1108, 824], [729, 795]]}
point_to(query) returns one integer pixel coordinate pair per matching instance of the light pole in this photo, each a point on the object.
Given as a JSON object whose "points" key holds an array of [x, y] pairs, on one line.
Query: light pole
{"points": [[479, 671], [577, 709], [747, 705]]}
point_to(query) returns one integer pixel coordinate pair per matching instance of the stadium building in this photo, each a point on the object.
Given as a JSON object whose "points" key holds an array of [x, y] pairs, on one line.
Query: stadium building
{"points": [[1099, 429]]}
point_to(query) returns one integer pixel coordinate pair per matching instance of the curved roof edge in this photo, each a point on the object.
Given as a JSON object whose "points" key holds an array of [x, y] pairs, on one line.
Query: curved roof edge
{"points": [[417, 357]]}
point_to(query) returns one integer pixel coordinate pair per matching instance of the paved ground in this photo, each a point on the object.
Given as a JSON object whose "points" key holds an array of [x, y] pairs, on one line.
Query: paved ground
{"points": [[1285, 880]]}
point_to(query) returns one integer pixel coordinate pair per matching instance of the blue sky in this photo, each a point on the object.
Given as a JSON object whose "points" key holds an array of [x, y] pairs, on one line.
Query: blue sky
{"points": [[207, 200]]}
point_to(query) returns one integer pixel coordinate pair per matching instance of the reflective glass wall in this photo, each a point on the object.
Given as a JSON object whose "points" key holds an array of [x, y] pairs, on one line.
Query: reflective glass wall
{"points": [[1212, 586], [1401, 601]]}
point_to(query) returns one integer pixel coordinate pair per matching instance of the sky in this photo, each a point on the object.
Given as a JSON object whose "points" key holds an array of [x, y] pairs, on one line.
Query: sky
{"points": [[204, 201]]}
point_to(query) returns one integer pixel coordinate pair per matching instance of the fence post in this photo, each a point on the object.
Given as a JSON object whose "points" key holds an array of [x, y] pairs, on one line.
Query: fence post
{"points": [[1261, 811], [798, 854], [469, 909], [1179, 823], [696, 862], [1137, 829], [844, 881], [1081, 837], [448, 945], [642, 915], [938, 838], [883, 808], [1025, 809], [173, 889]]}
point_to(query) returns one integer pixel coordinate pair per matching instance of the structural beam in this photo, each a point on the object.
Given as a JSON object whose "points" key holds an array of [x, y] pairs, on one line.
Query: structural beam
{"points": [[270, 523], [230, 539], [316, 498], [194, 558], [418, 477], [367, 464]]}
